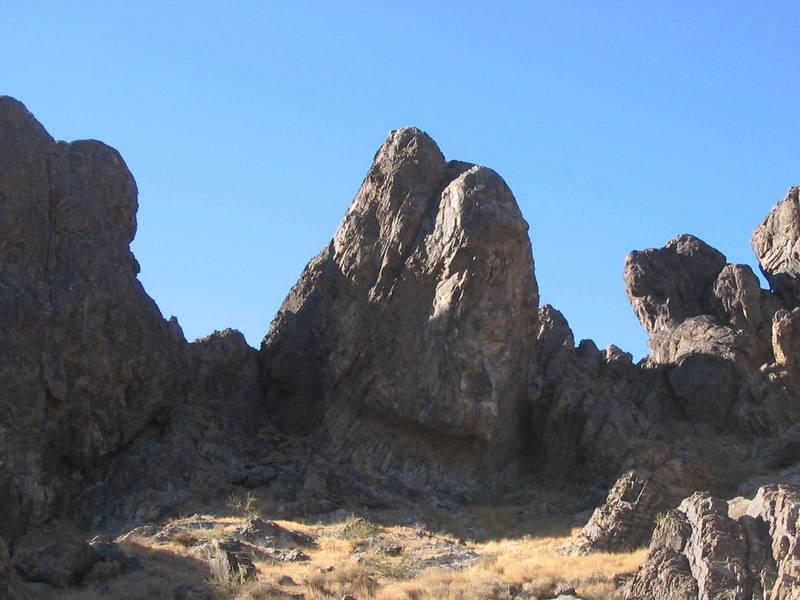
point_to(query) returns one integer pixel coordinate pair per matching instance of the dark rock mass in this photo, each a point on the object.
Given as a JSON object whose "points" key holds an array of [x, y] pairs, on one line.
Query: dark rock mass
{"points": [[102, 396], [410, 365], [88, 359], [404, 345]]}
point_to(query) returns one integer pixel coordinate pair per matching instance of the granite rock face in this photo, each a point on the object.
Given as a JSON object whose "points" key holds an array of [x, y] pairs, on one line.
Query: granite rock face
{"points": [[406, 341]]}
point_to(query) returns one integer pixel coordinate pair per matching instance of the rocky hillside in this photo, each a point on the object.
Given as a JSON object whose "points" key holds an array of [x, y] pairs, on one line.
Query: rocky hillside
{"points": [[411, 366]]}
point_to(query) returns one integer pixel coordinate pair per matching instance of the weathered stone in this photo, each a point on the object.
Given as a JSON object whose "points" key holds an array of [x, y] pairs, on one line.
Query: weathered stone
{"points": [[668, 285], [699, 551], [786, 337], [88, 358], [64, 563], [737, 298], [430, 270], [268, 533], [228, 563], [665, 574], [776, 243], [625, 520]]}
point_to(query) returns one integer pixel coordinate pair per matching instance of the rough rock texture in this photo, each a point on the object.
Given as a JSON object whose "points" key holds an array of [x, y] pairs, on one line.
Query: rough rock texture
{"points": [[88, 358], [107, 415], [724, 342], [10, 585], [625, 521], [699, 551], [668, 285], [405, 342], [228, 562], [776, 243], [409, 364], [61, 564], [195, 449]]}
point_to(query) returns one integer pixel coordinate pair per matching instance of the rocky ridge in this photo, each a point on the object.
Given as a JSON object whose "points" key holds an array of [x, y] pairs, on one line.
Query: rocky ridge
{"points": [[410, 364]]}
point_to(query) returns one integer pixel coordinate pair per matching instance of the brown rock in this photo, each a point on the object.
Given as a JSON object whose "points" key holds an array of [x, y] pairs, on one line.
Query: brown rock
{"points": [[698, 551], [776, 245], [625, 521], [431, 269], [88, 357], [668, 285], [229, 563]]}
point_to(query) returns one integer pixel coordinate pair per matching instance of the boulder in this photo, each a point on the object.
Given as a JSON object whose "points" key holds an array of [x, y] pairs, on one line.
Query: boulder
{"points": [[228, 561], [268, 533], [626, 519], [668, 285], [61, 564], [776, 243]]}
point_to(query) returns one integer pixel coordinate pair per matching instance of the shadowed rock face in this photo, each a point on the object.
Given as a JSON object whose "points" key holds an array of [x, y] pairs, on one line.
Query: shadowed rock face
{"points": [[103, 404], [87, 357], [419, 316]]}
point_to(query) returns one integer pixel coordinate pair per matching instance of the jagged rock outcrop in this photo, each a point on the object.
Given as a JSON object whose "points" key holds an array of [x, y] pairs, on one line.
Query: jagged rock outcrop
{"points": [[107, 413], [405, 343], [625, 521], [699, 552], [196, 448], [87, 358], [717, 333], [776, 243], [409, 361]]}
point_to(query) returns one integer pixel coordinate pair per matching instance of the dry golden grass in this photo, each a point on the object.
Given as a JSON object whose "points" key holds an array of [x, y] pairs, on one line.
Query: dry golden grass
{"points": [[516, 558]]}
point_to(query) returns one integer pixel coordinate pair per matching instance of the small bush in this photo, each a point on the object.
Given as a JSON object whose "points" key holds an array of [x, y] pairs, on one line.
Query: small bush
{"points": [[359, 528], [243, 504]]}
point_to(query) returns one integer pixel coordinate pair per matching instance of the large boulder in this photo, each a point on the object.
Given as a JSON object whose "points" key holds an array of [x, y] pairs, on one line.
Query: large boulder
{"points": [[408, 338], [711, 327], [61, 564]]}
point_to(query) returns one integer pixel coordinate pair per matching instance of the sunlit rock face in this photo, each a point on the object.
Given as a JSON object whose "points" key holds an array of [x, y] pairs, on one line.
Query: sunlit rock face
{"points": [[776, 243], [419, 317]]}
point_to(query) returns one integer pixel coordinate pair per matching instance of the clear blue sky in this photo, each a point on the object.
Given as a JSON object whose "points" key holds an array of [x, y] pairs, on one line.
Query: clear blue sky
{"points": [[250, 125]]}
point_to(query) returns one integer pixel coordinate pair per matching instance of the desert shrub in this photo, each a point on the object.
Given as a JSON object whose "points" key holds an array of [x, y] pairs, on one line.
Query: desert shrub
{"points": [[243, 504], [359, 528]]}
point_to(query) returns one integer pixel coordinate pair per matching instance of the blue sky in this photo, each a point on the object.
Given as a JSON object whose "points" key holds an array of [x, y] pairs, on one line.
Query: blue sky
{"points": [[250, 125]]}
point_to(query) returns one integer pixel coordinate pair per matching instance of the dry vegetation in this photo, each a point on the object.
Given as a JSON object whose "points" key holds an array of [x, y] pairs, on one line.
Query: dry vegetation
{"points": [[378, 560]]}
